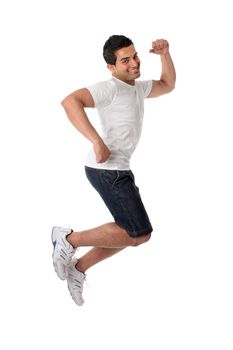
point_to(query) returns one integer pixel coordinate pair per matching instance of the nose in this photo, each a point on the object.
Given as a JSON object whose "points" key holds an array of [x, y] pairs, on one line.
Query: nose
{"points": [[133, 63]]}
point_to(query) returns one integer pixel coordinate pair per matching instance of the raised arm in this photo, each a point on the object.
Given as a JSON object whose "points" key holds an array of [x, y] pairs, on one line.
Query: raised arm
{"points": [[168, 75], [74, 105]]}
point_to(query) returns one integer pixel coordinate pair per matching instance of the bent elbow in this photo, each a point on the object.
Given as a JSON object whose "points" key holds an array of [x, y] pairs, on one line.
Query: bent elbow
{"points": [[68, 102], [71, 101], [64, 102], [167, 86], [172, 87]]}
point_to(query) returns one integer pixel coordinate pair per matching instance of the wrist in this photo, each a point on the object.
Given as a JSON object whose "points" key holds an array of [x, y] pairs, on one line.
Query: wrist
{"points": [[165, 55], [97, 141]]}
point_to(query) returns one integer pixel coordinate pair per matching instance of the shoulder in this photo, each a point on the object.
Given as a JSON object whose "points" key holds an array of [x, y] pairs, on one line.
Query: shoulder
{"points": [[103, 87], [103, 92], [144, 86]]}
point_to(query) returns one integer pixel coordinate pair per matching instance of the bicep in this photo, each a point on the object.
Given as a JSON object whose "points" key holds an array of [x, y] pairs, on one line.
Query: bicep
{"points": [[82, 96], [158, 88]]}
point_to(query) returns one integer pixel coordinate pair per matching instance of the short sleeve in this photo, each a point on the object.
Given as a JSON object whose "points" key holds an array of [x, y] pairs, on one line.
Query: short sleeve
{"points": [[103, 93], [146, 86]]}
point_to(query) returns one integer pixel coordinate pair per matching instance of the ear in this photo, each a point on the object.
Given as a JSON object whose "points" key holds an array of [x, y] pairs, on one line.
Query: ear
{"points": [[111, 67]]}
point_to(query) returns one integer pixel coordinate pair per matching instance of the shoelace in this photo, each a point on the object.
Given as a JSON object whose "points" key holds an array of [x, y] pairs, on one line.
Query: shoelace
{"points": [[84, 274]]}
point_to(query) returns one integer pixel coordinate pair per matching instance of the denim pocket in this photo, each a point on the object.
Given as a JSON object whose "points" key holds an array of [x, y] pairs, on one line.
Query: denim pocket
{"points": [[111, 176]]}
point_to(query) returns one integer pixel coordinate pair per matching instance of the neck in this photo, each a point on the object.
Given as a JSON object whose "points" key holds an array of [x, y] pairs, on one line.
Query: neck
{"points": [[129, 82]]}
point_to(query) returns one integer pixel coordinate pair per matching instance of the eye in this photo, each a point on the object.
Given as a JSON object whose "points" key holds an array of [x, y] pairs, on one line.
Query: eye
{"points": [[125, 61]]}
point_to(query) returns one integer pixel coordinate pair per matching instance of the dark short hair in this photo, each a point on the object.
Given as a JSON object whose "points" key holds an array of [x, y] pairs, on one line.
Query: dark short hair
{"points": [[114, 43]]}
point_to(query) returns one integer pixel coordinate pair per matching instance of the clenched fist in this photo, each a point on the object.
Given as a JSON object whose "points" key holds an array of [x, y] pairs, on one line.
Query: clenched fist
{"points": [[102, 153], [160, 47]]}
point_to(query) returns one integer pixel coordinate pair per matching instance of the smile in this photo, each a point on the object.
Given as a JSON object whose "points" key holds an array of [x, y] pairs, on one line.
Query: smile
{"points": [[134, 70]]}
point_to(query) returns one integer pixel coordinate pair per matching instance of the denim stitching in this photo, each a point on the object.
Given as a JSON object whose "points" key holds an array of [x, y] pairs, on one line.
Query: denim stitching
{"points": [[118, 175]]}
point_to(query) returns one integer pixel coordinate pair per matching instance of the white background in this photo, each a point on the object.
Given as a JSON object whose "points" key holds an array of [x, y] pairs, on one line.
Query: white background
{"points": [[174, 292]]}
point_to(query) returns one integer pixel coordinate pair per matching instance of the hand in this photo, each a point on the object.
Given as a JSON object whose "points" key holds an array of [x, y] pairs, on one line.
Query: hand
{"points": [[160, 47], [102, 153]]}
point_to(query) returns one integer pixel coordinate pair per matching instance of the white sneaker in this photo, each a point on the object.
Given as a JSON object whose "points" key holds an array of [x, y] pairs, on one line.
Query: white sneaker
{"points": [[63, 251], [75, 280]]}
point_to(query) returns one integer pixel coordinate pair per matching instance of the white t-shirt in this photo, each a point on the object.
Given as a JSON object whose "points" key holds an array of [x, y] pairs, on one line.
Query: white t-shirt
{"points": [[120, 107]]}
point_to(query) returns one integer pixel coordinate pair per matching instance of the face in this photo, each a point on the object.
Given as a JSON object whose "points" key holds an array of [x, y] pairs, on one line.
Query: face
{"points": [[127, 66]]}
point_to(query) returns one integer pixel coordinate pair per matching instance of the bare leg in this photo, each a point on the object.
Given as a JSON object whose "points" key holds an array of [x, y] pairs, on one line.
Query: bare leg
{"points": [[107, 240], [105, 236], [94, 256]]}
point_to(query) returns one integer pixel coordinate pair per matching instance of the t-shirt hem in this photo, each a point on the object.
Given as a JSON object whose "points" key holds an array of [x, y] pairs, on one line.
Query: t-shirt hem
{"points": [[107, 167]]}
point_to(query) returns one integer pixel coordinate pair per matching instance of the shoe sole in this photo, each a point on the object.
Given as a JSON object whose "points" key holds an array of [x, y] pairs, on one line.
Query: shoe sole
{"points": [[79, 304], [54, 240]]}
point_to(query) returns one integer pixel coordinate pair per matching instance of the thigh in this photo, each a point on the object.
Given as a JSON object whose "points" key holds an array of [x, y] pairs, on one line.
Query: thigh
{"points": [[121, 195], [131, 212]]}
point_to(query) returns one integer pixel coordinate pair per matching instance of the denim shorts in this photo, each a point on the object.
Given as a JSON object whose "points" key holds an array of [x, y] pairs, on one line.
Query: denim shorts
{"points": [[120, 194]]}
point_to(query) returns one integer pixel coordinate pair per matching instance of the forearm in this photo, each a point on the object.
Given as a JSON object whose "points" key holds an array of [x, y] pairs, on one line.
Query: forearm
{"points": [[168, 74], [78, 117]]}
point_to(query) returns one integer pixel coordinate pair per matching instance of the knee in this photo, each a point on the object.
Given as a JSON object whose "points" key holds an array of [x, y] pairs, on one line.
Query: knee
{"points": [[140, 240]]}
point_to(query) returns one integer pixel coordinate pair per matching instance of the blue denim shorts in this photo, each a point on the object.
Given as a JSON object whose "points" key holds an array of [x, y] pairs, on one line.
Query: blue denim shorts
{"points": [[120, 194]]}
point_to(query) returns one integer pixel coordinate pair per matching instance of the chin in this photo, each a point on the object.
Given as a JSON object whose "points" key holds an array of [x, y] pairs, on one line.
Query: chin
{"points": [[136, 76]]}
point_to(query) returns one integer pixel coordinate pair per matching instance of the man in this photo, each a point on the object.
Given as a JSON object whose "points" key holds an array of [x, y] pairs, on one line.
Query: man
{"points": [[119, 102]]}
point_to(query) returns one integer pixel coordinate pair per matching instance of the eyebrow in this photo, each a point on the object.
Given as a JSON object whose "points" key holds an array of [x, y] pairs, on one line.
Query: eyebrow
{"points": [[125, 58]]}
